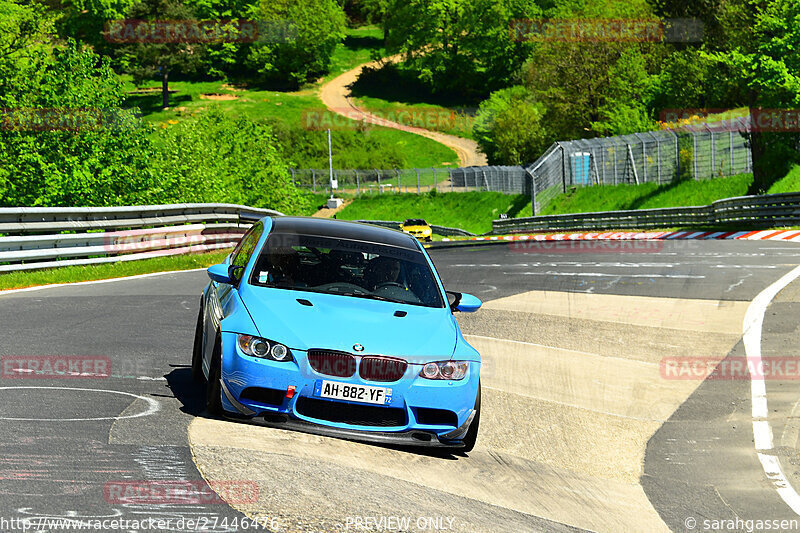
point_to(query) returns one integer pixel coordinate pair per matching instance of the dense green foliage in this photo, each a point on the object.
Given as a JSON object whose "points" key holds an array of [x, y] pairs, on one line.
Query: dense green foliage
{"points": [[529, 90], [218, 159], [509, 127], [459, 45], [104, 163], [51, 155], [316, 26]]}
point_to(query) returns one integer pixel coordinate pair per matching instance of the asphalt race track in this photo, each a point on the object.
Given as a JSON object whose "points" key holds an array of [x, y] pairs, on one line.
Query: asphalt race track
{"points": [[581, 428]]}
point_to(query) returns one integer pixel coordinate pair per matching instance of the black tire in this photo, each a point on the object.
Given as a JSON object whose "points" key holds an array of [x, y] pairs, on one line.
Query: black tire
{"points": [[213, 388], [472, 432], [197, 350]]}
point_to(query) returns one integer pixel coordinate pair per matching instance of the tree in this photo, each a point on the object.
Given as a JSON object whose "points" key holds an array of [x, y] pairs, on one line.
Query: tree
{"points": [[216, 158], [764, 70], [299, 39], [148, 58], [459, 45], [508, 127], [592, 87], [51, 154]]}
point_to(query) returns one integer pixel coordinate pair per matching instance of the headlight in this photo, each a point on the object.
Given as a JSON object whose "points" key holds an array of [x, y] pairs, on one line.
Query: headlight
{"points": [[454, 370], [263, 348]]}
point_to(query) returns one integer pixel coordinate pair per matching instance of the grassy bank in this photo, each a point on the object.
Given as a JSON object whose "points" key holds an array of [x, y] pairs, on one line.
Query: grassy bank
{"points": [[789, 183], [471, 211], [398, 95], [648, 195], [71, 274]]}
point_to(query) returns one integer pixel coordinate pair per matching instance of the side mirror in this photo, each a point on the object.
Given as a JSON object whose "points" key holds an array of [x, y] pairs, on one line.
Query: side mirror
{"points": [[466, 303], [219, 273]]}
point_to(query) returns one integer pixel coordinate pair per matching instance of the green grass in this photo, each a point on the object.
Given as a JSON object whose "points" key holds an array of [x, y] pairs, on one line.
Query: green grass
{"points": [[429, 116], [292, 107], [358, 48], [471, 211], [299, 108], [395, 93], [648, 195], [789, 183], [71, 274]]}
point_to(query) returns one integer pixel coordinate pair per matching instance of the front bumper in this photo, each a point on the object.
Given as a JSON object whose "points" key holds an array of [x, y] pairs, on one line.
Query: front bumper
{"points": [[412, 395]]}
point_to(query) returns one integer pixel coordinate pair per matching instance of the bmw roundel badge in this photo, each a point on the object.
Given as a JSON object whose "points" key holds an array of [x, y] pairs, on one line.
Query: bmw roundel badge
{"points": [[358, 347]]}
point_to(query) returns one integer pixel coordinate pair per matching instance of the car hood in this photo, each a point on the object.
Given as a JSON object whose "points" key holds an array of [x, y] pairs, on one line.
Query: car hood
{"points": [[337, 322]]}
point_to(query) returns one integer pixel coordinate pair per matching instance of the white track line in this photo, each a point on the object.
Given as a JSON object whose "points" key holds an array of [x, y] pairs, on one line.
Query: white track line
{"points": [[92, 282], [762, 432]]}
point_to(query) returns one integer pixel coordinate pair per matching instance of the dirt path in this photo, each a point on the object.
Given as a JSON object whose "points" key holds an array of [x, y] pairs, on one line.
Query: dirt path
{"points": [[328, 213], [336, 96]]}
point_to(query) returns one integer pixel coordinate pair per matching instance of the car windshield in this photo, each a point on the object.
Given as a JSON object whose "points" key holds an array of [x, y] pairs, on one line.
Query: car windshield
{"points": [[346, 267], [415, 222]]}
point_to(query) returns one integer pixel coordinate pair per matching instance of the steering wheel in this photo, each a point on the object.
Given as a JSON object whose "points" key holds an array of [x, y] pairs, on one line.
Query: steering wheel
{"points": [[342, 287], [389, 284]]}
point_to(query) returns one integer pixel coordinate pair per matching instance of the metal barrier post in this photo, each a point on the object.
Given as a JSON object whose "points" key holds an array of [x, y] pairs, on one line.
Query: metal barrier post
{"points": [[615, 165], [713, 158], [380, 189], [677, 155], [694, 146], [398, 181], [358, 183], [434, 177], [417, 179], [313, 180], [730, 139]]}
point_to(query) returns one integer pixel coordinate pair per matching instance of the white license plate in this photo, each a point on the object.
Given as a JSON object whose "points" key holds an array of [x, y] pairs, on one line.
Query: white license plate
{"points": [[351, 392]]}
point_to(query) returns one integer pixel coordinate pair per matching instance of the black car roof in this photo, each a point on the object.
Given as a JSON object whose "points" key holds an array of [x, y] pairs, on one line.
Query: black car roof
{"points": [[342, 229]]}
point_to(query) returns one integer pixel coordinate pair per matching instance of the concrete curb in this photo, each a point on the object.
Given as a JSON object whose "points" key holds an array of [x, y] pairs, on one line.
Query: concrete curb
{"points": [[771, 235]]}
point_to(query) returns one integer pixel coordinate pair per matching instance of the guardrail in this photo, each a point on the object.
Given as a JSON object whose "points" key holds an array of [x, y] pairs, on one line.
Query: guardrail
{"points": [[439, 230], [44, 237], [770, 210]]}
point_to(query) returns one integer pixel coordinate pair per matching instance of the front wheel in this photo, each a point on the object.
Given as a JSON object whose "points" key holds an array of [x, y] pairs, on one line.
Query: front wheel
{"points": [[472, 432], [213, 388], [197, 351]]}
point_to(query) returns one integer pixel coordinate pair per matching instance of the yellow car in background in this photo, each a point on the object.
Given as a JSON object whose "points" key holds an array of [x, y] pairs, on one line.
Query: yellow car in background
{"points": [[418, 228]]}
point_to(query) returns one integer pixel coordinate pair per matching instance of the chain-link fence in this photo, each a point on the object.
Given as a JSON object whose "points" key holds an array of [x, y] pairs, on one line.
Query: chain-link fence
{"points": [[510, 180], [698, 151]]}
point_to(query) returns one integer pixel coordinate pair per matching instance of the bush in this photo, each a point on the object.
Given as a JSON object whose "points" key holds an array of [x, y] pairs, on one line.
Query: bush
{"points": [[315, 28], [508, 127], [100, 164], [220, 159], [308, 148]]}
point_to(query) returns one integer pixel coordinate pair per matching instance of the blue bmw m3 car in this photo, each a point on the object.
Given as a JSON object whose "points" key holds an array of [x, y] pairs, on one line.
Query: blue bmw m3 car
{"points": [[341, 329]]}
